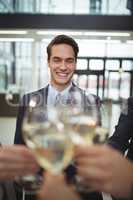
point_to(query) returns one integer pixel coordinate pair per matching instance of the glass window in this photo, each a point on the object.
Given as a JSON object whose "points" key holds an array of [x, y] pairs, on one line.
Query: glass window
{"points": [[81, 7], [82, 81], [127, 65], [55, 6], [82, 64], [3, 76], [92, 84], [26, 6], [100, 94], [113, 87], [67, 7], [24, 65], [112, 64], [96, 64], [31, 68], [91, 48], [75, 78], [6, 60], [125, 85], [120, 49], [117, 7]]}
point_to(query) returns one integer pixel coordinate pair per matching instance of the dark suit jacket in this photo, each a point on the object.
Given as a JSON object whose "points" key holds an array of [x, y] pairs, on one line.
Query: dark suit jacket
{"points": [[40, 97], [7, 191], [122, 139]]}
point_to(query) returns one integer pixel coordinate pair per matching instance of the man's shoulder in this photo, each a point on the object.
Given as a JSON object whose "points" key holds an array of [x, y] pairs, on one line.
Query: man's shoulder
{"points": [[7, 190], [87, 96], [93, 99], [130, 107], [130, 101], [37, 96], [36, 92]]}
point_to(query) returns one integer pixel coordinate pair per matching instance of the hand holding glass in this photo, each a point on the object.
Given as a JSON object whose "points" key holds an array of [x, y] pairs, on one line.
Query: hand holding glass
{"points": [[45, 134], [84, 126]]}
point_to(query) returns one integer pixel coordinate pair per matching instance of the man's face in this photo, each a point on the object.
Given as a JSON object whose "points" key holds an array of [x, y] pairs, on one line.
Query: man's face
{"points": [[62, 65]]}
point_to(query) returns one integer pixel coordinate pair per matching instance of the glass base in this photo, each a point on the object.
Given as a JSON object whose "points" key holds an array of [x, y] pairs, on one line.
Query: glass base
{"points": [[30, 183], [81, 186]]}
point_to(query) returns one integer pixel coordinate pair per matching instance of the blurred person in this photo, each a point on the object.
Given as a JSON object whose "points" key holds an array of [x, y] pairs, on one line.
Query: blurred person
{"points": [[56, 188], [62, 54], [15, 161], [104, 169], [122, 138]]}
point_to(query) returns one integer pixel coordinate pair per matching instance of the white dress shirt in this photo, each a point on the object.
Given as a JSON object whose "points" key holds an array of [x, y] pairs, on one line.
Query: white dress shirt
{"points": [[53, 92]]}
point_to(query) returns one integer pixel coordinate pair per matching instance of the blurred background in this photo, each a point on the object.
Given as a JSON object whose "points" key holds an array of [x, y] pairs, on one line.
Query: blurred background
{"points": [[103, 30]]}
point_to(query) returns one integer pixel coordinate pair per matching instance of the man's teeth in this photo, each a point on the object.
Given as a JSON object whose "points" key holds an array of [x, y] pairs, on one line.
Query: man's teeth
{"points": [[62, 74]]}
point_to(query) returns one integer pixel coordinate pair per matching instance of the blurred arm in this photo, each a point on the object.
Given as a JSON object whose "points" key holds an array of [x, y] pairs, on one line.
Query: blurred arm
{"points": [[105, 169], [55, 188], [16, 161]]}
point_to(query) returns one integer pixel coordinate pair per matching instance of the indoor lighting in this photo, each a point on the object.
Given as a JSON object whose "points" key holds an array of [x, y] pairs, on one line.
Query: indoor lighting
{"points": [[46, 40], [105, 41], [49, 32], [129, 41], [119, 34], [59, 32], [84, 33], [16, 40], [13, 32]]}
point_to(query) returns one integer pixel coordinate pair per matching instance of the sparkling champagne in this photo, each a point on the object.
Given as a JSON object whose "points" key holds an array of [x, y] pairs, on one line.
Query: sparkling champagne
{"points": [[83, 129], [52, 146]]}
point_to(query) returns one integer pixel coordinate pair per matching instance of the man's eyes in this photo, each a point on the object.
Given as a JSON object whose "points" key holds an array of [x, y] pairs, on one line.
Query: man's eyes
{"points": [[56, 60], [67, 60], [70, 60]]}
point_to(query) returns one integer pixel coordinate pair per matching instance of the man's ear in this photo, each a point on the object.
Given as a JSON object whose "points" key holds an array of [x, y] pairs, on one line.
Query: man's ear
{"points": [[48, 63]]}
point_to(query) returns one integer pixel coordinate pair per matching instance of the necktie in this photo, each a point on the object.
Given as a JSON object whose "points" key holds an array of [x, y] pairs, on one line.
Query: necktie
{"points": [[58, 99]]}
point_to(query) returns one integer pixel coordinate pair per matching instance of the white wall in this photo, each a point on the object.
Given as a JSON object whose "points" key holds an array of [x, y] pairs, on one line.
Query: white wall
{"points": [[7, 130], [8, 125]]}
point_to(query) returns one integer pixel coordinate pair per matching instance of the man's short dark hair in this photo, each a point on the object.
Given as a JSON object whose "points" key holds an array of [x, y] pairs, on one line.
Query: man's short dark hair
{"points": [[63, 39]]}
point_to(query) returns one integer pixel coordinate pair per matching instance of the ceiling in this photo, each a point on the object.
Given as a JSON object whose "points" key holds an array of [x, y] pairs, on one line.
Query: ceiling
{"points": [[44, 34]]}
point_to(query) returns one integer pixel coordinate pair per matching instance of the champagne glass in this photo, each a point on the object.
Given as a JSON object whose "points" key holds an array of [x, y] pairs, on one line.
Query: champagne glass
{"points": [[29, 184], [83, 122], [45, 134], [124, 106], [87, 131], [84, 118]]}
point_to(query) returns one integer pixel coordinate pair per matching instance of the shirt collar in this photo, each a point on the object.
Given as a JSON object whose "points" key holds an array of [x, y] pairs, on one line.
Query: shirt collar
{"points": [[53, 92], [64, 92]]}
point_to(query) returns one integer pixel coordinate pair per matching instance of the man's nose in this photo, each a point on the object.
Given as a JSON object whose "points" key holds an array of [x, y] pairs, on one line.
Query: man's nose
{"points": [[63, 65]]}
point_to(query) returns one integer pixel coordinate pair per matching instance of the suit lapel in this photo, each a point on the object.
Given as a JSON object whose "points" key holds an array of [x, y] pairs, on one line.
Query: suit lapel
{"points": [[86, 99], [44, 96], [39, 97], [80, 96]]}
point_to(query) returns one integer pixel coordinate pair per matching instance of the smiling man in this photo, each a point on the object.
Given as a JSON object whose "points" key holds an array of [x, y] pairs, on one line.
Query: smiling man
{"points": [[62, 54], [62, 63], [62, 57]]}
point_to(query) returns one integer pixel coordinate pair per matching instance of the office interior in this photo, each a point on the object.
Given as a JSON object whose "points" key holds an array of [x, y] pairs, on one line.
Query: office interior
{"points": [[103, 30]]}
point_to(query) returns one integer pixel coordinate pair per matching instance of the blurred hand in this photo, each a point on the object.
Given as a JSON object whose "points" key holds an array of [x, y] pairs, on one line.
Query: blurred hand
{"points": [[16, 160], [55, 188], [105, 169]]}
